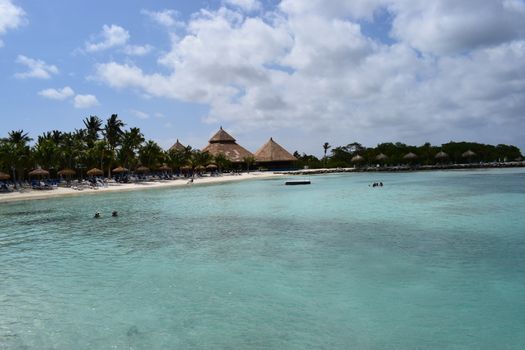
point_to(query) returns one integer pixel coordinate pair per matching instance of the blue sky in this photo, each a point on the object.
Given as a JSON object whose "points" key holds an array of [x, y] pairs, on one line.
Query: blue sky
{"points": [[304, 72]]}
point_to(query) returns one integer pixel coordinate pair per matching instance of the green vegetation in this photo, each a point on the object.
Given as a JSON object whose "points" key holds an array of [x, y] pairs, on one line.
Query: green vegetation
{"points": [[97, 145], [399, 154], [108, 145]]}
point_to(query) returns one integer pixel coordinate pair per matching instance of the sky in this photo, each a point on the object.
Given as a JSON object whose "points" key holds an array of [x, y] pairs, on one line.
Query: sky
{"points": [[302, 72]]}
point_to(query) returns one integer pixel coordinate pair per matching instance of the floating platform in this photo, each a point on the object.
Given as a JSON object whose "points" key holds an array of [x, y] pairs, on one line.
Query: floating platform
{"points": [[297, 182]]}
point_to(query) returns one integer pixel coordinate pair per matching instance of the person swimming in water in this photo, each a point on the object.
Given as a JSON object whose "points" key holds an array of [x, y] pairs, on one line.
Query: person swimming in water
{"points": [[114, 213], [97, 215]]}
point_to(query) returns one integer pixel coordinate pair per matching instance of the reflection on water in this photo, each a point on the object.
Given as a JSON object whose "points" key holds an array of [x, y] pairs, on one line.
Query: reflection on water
{"points": [[429, 259]]}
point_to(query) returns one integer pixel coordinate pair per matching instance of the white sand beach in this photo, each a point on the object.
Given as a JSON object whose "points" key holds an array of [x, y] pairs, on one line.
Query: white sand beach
{"points": [[115, 187]]}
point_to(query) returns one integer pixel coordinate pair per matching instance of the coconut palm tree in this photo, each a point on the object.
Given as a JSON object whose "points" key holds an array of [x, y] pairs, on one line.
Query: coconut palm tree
{"points": [[93, 126], [150, 154], [131, 142], [113, 135], [326, 147], [16, 152]]}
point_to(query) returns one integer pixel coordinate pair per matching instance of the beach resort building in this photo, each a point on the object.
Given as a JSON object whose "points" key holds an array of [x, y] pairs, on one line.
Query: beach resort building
{"points": [[223, 143], [177, 146], [273, 156]]}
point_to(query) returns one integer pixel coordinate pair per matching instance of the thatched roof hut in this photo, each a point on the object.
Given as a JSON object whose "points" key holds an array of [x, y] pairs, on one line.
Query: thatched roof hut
{"points": [[142, 169], [223, 143], [468, 154], [381, 156], [66, 172], [39, 172], [441, 155], [410, 156], [177, 146], [95, 172], [357, 159], [4, 176], [271, 151], [120, 170], [164, 167]]}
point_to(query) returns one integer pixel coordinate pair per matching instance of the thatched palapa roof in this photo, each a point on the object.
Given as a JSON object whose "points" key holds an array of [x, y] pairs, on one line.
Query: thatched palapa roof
{"points": [[223, 143], [381, 156], [410, 155], [357, 158], [4, 176], [441, 155], [271, 151], [468, 154], [177, 146], [39, 172]]}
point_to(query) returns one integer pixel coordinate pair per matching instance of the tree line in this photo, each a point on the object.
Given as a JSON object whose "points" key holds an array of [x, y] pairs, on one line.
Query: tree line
{"points": [[401, 154], [99, 144]]}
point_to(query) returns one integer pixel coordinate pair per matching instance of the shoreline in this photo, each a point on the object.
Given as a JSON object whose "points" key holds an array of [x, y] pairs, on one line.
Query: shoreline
{"points": [[404, 168], [17, 196]]}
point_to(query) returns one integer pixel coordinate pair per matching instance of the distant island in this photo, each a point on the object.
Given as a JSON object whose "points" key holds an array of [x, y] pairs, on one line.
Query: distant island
{"points": [[104, 148]]}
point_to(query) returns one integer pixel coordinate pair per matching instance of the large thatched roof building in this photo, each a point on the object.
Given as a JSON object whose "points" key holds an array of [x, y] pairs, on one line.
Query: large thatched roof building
{"points": [[271, 155], [223, 143], [177, 146]]}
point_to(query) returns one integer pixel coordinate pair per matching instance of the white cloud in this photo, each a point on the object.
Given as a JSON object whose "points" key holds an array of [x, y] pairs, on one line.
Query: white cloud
{"points": [[247, 5], [85, 101], [11, 17], [111, 36], [308, 66], [139, 114], [450, 26], [36, 68], [57, 94], [165, 18], [136, 50]]}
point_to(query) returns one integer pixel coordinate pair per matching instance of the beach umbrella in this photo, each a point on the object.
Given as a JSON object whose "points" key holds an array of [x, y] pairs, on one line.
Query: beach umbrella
{"points": [[211, 166], [66, 172], [185, 168], [357, 159], [141, 169], [441, 155], [95, 172], [4, 176], [200, 168], [164, 167], [39, 172], [381, 156], [119, 170], [468, 154], [410, 156]]}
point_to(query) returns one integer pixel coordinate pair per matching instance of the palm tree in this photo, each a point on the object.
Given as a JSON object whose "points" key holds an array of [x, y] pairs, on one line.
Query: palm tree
{"points": [[249, 161], [93, 126], [131, 141], [326, 147], [16, 151], [179, 157], [150, 154], [113, 135]]}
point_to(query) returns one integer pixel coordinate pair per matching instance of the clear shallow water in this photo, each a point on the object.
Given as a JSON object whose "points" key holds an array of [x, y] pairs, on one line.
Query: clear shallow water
{"points": [[430, 261]]}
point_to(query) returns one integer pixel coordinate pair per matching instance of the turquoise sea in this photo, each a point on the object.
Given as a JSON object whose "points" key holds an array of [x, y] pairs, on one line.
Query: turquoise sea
{"points": [[432, 260]]}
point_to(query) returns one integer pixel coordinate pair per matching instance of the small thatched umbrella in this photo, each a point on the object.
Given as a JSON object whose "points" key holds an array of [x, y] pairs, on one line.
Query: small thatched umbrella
{"points": [[468, 154], [381, 156], [95, 172], [66, 172], [119, 170], [4, 176], [410, 156], [357, 159], [141, 169], [211, 166], [200, 168], [185, 168], [39, 172], [441, 155], [164, 167]]}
